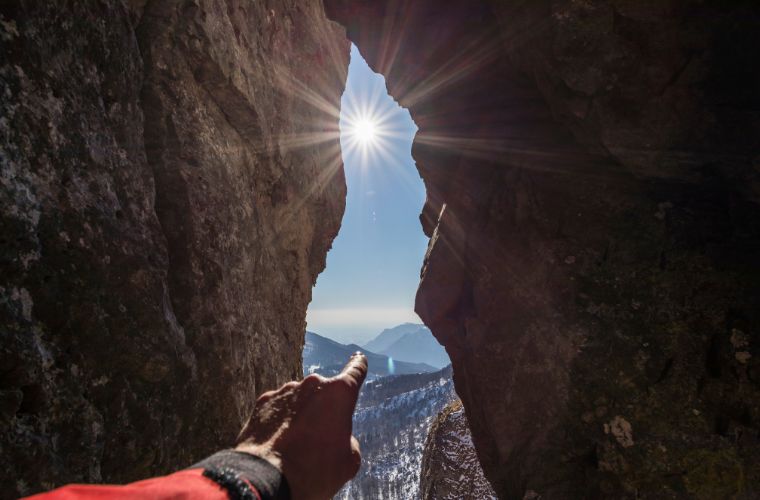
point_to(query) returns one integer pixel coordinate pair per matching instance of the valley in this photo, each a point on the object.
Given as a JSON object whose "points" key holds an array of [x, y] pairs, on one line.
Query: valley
{"points": [[394, 414]]}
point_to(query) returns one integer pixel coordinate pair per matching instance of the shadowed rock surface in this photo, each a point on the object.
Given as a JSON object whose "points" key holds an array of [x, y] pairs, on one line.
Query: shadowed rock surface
{"points": [[164, 213], [593, 189]]}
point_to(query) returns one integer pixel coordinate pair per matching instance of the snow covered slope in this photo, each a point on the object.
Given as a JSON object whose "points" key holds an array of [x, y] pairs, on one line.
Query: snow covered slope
{"points": [[391, 423], [450, 466]]}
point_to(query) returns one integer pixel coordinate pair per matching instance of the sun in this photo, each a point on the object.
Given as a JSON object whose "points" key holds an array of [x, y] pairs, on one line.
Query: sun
{"points": [[367, 128], [365, 131], [367, 134]]}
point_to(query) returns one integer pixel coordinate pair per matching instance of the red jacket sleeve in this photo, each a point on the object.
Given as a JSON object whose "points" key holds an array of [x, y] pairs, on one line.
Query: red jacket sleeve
{"points": [[225, 475], [186, 484]]}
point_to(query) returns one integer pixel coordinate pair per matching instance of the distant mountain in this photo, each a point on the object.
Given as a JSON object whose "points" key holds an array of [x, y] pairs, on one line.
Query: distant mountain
{"points": [[390, 335], [391, 422], [327, 357], [418, 347], [412, 343]]}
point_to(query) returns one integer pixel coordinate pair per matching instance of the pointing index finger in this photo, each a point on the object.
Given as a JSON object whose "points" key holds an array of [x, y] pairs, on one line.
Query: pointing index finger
{"points": [[346, 386], [355, 371]]}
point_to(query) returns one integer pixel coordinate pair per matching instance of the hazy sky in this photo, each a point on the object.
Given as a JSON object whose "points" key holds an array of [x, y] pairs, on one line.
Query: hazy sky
{"points": [[373, 268]]}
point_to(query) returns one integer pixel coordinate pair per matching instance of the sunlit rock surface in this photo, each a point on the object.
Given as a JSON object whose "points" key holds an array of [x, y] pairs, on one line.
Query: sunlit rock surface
{"points": [[593, 271], [170, 182], [450, 466]]}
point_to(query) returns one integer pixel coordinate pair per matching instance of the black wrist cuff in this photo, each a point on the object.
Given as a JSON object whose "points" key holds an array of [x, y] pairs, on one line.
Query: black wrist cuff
{"points": [[234, 470]]}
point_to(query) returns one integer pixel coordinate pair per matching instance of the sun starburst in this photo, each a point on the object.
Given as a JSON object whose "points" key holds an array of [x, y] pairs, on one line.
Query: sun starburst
{"points": [[367, 125], [364, 130]]}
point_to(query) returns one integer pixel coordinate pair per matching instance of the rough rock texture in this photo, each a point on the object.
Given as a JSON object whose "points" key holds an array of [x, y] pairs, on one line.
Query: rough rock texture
{"points": [[593, 206], [450, 466], [170, 183]]}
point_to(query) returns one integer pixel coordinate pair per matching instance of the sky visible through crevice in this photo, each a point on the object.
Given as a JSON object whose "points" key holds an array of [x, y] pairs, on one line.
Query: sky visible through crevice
{"points": [[373, 268]]}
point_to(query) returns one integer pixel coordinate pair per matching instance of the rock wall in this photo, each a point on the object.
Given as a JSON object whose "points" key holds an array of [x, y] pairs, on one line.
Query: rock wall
{"points": [[450, 466], [593, 206], [170, 183]]}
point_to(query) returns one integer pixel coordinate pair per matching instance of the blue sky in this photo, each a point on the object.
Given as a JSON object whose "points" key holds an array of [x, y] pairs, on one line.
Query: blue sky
{"points": [[373, 268]]}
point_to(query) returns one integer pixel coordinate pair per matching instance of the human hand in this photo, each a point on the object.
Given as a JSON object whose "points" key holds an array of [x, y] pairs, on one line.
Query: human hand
{"points": [[304, 429]]}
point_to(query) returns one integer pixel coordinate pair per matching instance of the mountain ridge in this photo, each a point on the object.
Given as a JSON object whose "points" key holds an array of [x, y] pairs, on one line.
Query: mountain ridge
{"points": [[418, 347], [410, 342], [387, 337], [327, 357]]}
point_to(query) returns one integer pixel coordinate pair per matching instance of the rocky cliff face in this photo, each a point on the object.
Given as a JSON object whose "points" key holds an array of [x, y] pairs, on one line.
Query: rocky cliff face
{"points": [[450, 466], [170, 184], [593, 190]]}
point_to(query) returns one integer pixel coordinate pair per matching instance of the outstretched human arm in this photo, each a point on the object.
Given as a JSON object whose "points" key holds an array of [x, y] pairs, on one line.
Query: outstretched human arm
{"points": [[296, 445]]}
